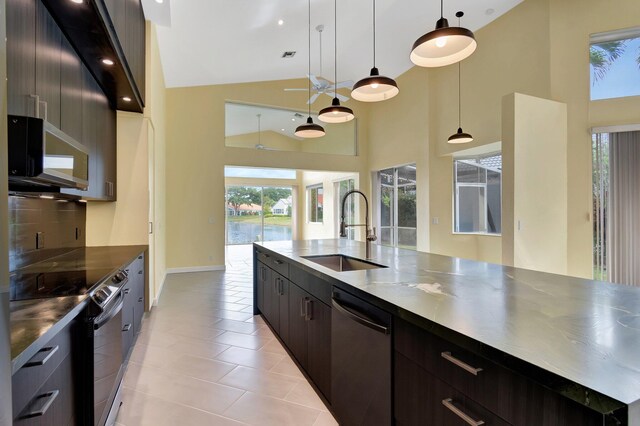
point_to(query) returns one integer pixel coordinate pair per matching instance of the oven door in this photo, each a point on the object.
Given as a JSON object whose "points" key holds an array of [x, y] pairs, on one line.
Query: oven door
{"points": [[107, 359]]}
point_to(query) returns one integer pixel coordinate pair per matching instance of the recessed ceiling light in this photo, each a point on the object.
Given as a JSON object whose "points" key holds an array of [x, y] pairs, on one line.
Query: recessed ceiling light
{"points": [[126, 99], [293, 119], [159, 1], [280, 22], [282, 130], [77, 1], [107, 61], [47, 197], [82, 201]]}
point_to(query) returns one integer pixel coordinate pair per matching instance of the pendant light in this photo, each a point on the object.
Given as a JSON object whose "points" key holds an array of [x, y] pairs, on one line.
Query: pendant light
{"points": [[336, 113], [460, 136], [443, 46], [310, 129], [375, 87]]}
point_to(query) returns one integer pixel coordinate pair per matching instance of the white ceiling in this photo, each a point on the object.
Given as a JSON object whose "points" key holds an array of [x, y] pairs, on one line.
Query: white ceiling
{"points": [[233, 41]]}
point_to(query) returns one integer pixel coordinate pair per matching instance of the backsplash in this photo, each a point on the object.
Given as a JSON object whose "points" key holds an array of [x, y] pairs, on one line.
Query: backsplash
{"points": [[41, 228]]}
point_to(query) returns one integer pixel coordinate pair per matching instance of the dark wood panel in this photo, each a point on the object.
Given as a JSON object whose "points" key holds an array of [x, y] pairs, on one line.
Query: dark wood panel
{"points": [[297, 324], [71, 92], [261, 276], [127, 319], [319, 346], [48, 48], [21, 56], [317, 287], [283, 309]]}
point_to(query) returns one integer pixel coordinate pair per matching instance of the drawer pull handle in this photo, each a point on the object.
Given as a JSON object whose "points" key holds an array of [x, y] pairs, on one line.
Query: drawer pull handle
{"points": [[127, 290], [43, 361], [43, 401], [139, 272], [140, 299], [458, 412], [126, 328], [461, 364], [278, 262]]}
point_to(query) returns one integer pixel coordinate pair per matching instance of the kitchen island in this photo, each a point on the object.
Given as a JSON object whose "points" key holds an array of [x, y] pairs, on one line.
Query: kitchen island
{"points": [[578, 338]]}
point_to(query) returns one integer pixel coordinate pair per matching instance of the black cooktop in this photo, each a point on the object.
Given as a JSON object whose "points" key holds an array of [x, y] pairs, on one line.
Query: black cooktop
{"points": [[38, 285]]}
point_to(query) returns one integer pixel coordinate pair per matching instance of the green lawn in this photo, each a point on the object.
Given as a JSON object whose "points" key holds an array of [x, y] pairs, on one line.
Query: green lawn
{"points": [[274, 220]]}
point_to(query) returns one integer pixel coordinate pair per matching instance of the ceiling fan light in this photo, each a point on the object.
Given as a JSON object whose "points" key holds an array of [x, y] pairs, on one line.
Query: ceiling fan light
{"points": [[460, 137], [443, 46], [375, 88], [309, 130], [336, 113]]}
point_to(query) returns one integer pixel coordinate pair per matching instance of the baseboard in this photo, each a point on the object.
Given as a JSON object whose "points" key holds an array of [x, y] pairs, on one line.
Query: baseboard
{"points": [[196, 269], [164, 278]]}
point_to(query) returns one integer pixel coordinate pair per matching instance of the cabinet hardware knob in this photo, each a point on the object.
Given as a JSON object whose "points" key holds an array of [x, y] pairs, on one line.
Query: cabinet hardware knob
{"points": [[458, 412], [126, 328], [461, 364]]}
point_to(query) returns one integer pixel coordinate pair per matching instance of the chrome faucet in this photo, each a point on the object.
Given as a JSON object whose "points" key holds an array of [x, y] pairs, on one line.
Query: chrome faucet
{"points": [[371, 233]]}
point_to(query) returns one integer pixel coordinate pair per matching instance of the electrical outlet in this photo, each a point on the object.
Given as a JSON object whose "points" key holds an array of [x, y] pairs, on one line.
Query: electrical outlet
{"points": [[39, 240], [435, 220]]}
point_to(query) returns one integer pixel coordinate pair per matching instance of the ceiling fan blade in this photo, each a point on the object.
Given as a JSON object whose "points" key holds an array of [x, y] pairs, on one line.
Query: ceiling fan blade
{"points": [[313, 98], [314, 80], [295, 90], [343, 98], [347, 84]]}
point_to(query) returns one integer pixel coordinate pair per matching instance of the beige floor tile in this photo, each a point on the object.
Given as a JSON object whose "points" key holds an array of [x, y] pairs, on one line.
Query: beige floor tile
{"points": [[152, 356], [197, 332], [198, 347], [239, 326], [265, 411], [139, 409], [233, 315], [259, 381], [211, 397], [325, 419], [250, 358], [288, 367], [200, 368], [303, 394], [247, 341], [275, 347], [158, 338], [256, 319], [264, 332]]}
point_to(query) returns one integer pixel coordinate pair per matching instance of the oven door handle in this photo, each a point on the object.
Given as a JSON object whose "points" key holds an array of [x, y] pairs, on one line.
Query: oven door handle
{"points": [[107, 316]]}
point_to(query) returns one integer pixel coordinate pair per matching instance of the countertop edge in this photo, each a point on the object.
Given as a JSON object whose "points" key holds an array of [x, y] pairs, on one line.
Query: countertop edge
{"points": [[554, 382]]}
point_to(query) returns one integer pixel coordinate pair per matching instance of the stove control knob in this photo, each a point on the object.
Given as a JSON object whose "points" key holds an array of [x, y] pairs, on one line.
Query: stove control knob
{"points": [[119, 277]]}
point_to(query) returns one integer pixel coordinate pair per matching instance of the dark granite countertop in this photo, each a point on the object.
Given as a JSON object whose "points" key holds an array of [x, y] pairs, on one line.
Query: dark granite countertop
{"points": [[587, 332], [33, 322]]}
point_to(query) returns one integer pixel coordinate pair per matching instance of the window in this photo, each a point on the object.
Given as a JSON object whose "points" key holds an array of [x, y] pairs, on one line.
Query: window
{"points": [[478, 194], [341, 188], [396, 192], [314, 203], [613, 62]]}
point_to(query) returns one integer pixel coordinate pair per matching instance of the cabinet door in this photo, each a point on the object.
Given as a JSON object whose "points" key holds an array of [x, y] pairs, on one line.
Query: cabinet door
{"points": [[260, 285], [319, 345], [138, 312], [118, 14], [274, 301], [283, 309], [127, 319], [297, 323], [48, 43], [71, 92], [21, 57], [107, 145]]}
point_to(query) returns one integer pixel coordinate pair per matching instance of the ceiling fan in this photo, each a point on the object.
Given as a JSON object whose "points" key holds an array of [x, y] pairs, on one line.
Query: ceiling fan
{"points": [[321, 85], [259, 145]]}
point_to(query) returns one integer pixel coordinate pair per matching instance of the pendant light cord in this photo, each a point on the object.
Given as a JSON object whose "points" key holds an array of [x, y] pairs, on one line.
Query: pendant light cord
{"points": [[441, 9], [459, 90], [309, 39], [374, 33], [335, 48]]}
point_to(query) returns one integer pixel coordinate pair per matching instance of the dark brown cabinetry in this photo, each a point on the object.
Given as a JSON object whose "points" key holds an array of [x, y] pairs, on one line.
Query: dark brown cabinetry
{"points": [[133, 307], [437, 382], [21, 57], [48, 54], [71, 85], [43, 390]]}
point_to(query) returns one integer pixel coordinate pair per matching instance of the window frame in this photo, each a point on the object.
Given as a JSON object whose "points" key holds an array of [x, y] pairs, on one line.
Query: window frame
{"points": [[455, 214], [632, 33], [310, 188]]}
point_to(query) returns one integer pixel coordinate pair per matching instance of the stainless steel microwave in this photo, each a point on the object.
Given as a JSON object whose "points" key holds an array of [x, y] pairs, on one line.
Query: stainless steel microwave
{"points": [[41, 154]]}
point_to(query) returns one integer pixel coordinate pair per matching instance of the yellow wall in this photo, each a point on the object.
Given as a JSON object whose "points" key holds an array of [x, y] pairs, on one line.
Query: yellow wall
{"points": [[534, 148], [268, 138], [197, 152]]}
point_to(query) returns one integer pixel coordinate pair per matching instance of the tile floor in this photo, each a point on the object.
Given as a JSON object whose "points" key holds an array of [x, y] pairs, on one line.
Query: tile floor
{"points": [[202, 358]]}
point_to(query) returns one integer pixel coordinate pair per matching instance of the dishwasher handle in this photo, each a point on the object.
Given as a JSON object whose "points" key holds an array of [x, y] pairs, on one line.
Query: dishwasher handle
{"points": [[364, 321]]}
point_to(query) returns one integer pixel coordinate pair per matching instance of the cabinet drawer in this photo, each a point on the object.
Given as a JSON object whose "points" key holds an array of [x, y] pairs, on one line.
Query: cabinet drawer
{"points": [[37, 370], [275, 263], [310, 283], [423, 399], [53, 403]]}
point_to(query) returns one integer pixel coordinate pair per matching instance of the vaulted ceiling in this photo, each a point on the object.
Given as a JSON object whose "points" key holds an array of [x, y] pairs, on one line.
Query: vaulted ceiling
{"points": [[205, 42]]}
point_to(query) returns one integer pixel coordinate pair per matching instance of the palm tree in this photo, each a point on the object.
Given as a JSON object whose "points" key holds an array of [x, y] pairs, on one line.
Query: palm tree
{"points": [[602, 55]]}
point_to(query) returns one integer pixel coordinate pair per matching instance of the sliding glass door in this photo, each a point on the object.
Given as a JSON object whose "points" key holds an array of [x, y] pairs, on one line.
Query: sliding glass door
{"points": [[397, 211], [255, 213]]}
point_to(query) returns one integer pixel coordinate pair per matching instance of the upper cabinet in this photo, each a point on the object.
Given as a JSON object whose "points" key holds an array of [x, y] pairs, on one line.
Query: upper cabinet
{"points": [[113, 30]]}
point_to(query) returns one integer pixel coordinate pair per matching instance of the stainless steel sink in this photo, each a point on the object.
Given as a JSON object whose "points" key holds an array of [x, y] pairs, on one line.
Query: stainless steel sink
{"points": [[342, 263]]}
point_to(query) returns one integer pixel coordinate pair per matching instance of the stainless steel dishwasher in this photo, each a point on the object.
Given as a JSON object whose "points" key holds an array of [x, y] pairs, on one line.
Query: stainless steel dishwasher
{"points": [[360, 361]]}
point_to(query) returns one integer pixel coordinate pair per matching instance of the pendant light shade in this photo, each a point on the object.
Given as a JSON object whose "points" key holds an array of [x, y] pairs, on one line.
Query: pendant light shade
{"points": [[443, 46], [309, 130], [335, 113], [376, 87], [460, 137]]}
